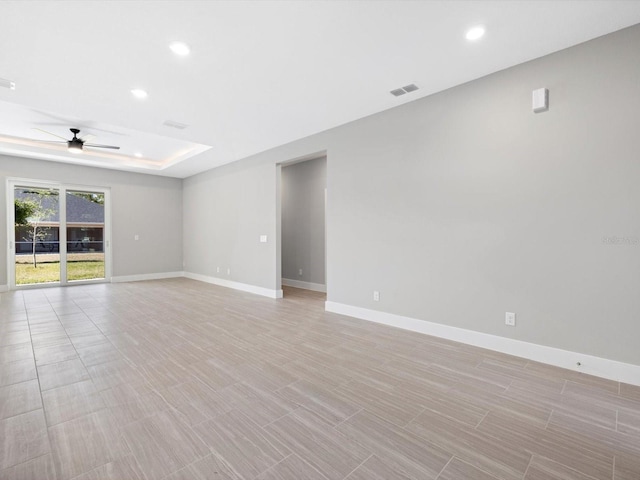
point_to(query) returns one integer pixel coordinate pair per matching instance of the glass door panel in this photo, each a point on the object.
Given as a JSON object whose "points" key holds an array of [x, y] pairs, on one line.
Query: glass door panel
{"points": [[85, 235], [37, 235]]}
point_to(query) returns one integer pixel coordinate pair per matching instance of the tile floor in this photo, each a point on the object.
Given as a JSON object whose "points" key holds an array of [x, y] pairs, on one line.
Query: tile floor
{"points": [[181, 380]]}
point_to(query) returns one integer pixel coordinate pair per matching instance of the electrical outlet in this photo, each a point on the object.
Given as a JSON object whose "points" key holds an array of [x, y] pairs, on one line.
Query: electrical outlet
{"points": [[376, 296], [228, 271], [136, 237], [263, 239], [300, 272], [510, 319], [217, 269]]}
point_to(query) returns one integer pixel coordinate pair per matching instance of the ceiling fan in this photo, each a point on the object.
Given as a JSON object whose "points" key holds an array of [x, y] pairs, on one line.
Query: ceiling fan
{"points": [[76, 144]]}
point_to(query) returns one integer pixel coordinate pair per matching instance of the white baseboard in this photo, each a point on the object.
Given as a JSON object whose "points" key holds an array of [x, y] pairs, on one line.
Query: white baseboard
{"points": [[146, 276], [245, 287], [600, 367], [316, 287], [4, 288]]}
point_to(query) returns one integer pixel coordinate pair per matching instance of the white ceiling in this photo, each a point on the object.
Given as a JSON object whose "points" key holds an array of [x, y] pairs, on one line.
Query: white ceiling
{"points": [[260, 73]]}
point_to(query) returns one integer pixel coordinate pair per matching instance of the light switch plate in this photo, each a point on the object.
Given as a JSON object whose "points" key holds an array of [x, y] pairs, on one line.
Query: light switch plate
{"points": [[540, 100]]}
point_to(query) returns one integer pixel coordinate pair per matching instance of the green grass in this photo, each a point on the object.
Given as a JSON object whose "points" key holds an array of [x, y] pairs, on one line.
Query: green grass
{"points": [[26, 274]]}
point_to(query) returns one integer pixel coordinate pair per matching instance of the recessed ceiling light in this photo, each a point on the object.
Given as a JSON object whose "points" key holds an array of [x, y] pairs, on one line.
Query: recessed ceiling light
{"points": [[7, 84], [137, 155], [475, 33], [180, 48], [139, 93], [173, 124]]}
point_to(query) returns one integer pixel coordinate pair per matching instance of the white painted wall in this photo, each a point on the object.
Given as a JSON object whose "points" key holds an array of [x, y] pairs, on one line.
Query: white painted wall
{"points": [[303, 223], [146, 205], [463, 205]]}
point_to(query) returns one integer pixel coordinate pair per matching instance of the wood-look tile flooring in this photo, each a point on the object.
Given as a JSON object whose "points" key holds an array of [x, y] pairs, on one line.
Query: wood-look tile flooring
{"points": [[182, 380]]}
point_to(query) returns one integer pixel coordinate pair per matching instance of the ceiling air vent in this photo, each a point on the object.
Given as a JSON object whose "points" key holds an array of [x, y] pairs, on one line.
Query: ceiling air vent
{"points": [[401, 91], [172, 124], [7, 84]]}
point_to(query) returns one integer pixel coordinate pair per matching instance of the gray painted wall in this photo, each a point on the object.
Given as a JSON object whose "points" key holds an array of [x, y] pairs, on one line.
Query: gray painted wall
{"points": [[226, 211], [303, 222], [463, 205], [147, 205]]}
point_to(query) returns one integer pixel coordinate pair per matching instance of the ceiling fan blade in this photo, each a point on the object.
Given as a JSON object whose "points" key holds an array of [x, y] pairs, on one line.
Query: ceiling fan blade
{"points": [[95, 145], [47, 141], [44, 131]]}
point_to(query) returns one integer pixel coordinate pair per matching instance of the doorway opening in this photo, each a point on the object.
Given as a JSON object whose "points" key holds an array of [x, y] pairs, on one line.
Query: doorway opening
{"points": [[303, 197], [60, 234]]}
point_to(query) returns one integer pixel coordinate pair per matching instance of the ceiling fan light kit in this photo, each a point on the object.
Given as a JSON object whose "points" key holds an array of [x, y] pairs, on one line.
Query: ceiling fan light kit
{"points": [[76, 145]]}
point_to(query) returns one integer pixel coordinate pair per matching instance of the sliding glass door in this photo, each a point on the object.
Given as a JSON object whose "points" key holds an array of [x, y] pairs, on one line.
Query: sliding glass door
{"points": [[37, 234], [85, 221], [60, 234]]}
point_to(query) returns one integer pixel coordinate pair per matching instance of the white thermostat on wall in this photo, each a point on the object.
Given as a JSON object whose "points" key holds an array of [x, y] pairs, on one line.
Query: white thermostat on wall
{"points": [[540, 100]]}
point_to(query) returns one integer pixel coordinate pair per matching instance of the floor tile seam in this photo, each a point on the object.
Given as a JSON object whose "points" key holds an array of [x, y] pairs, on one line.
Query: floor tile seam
{"points": [[280, 395], [311, 465], [585, 419], [49, 441], [580, 472], [482, 420], [105, 408], [445, 467], [613, 469], [485, 471], [424, 409], [169, 475], [124, 438], [78, 357], [215, 453], [184, 468], [346, 477], [535, 375], [272, 421], [546, 425], [427, 442], [274, 465], [608, 438], [526, 470], [29, 460], [89, 471], [22, 381], [22, 413], [335, 427], [609, 457]]}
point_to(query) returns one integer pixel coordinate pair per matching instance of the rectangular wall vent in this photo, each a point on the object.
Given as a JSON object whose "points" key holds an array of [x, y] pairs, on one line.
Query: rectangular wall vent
{"points": [[397, 92], [410, 88]]}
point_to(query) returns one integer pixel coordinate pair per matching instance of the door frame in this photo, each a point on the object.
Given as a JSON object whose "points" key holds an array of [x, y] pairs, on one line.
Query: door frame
{"points": [[62, 237]]}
